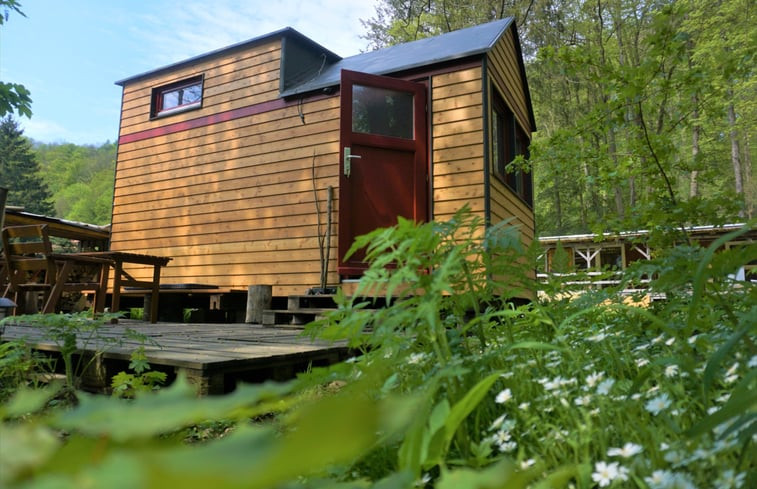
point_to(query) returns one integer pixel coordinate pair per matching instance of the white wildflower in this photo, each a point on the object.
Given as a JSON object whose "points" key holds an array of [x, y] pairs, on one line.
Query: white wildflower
{"points": [[604, 387], [605, 473], [730, 479], [524, 406], [731, 379], [507, 446], [416, 358], [675, 457], [752, 362], [582, 401], [497, 423], [642, 362], [503, 396], [552, 384], [733, 369], [681, 481], [423, 481], [501, 436], [527, 463], [597, 337], [626, 451], [659, 479], [594, 378], [671, 370], [670, 341], [658, 339], [658, 404]]}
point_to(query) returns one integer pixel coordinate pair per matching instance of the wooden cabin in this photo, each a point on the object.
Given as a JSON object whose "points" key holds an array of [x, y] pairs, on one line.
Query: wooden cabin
{"points": [[234, 162]]}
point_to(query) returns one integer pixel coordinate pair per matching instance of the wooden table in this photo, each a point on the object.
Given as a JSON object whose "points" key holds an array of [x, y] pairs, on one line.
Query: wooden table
{"points": [[121, 278]]}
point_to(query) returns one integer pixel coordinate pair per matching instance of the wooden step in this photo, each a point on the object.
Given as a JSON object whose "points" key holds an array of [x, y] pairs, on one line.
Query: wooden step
{"points": [[322, 301], [301, 317]]}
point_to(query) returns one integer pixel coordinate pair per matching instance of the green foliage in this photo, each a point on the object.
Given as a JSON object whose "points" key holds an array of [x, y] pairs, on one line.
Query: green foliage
{"points": [[72, 333], [20, 172], [20, 365], [80, 179], [126, 384], [452, 386], [13, 96]]}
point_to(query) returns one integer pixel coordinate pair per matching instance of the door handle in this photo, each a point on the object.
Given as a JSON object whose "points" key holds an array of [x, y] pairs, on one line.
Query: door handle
{"points": [[348, 161]]}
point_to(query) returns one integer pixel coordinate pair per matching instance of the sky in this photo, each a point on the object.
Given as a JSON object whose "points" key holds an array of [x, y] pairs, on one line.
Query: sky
{"points": [[70, 53]]}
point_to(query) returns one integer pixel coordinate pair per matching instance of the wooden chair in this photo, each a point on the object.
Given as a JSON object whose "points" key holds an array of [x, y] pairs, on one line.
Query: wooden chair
{"points": [[32, 266]]}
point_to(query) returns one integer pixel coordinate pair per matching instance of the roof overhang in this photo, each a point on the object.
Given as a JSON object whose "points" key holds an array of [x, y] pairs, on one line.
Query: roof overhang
{"points": [[287, 32]]}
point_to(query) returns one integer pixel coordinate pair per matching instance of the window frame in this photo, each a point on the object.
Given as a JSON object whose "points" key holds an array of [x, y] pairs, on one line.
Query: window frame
{"points": [[159, 93], [508, 140]]}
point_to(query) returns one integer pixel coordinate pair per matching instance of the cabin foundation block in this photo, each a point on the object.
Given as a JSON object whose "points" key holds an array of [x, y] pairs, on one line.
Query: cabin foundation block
{"points": [[205, 383]]}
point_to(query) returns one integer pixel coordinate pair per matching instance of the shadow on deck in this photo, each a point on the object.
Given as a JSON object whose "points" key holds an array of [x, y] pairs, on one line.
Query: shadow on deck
{"points": [[215, 357]]}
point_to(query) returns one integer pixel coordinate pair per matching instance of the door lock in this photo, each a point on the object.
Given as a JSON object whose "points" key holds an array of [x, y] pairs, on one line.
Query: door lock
{"points": [[347, 161]]}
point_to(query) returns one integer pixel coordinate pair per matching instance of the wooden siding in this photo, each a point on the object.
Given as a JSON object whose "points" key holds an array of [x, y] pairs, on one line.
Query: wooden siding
{"points": [[504, 74], [231, 202], [458, 143]]}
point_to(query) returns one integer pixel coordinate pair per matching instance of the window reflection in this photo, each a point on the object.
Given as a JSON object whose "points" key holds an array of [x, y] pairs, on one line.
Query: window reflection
{"points": [[382, 111]]}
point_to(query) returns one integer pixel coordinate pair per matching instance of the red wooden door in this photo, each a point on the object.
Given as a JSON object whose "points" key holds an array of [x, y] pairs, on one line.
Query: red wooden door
{"points": [[383, 148]]}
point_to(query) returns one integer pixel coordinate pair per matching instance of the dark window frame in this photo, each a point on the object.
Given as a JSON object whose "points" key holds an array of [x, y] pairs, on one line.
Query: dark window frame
{"points": [[508, 140], [159, 94]]}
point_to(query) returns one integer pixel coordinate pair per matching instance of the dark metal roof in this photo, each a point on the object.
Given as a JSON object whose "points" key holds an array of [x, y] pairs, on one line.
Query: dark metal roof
{"points": [[424, 52], [281, 33]]}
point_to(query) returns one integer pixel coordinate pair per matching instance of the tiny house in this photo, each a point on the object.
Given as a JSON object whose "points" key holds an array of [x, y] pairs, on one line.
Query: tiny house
{"points": [[245, 163]]}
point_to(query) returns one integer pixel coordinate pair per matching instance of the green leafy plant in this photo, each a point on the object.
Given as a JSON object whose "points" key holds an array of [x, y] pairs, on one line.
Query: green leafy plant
{"points": [[73, 334], [20, 366], [125, 384]]}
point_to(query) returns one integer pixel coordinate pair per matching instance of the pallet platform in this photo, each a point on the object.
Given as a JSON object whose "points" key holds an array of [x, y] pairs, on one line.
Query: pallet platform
{"points": [[214, 356]]}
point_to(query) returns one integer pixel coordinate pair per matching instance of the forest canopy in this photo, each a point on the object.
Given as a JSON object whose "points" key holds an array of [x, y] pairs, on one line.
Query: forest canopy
{"points": [[645, 109]]}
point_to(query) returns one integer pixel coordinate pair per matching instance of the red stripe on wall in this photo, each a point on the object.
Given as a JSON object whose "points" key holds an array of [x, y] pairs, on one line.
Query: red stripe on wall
{"points": [[207, 120]]}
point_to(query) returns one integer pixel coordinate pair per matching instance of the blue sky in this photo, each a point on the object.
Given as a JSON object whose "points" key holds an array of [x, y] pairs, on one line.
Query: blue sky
{"points": [[69, 53]]}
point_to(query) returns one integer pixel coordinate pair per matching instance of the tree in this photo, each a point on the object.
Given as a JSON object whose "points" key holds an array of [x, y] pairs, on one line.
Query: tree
{"points": [[20, 171], [635, 101], [80, 179], [13, 96]]}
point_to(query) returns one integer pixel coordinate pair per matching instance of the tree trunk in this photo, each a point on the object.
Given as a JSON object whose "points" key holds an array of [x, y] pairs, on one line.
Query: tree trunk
{"points": [[694, 178], [750, 192], [735, 152], [612, 147], [558, 203]]}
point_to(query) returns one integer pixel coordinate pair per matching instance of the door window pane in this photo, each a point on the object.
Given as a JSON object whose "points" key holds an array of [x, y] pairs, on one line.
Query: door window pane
{"points": [[381, 111]]}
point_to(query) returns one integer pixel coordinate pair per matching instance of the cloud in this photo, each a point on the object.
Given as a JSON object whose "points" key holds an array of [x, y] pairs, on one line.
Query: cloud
{"points": [[196, 27]]}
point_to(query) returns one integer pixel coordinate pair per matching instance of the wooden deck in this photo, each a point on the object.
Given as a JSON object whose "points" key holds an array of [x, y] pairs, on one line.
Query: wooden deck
{"points": [[214, 356]]}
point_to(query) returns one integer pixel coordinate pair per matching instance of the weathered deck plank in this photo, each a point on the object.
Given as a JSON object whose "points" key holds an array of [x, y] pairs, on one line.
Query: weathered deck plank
{"points": [[214, 355]]}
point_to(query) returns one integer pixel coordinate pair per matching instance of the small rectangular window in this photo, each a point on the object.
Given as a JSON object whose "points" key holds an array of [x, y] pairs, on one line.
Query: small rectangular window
{"points": [[177, 97]]}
